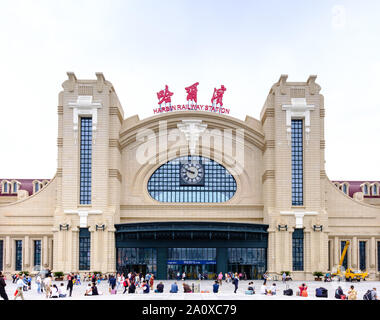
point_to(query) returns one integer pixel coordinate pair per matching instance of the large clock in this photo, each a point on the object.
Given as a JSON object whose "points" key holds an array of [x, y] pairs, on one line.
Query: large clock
{"points": [[192, 174]]}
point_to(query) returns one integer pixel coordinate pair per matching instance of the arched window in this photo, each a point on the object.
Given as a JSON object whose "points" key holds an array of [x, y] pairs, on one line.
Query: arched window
{"points": [[15, 187], [375, 190], [192, 179], [36, 186], [365, 189], [5, 187], [344, 188]]}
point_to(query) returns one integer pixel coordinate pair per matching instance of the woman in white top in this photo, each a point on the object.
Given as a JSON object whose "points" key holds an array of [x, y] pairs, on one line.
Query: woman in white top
{"points": [[62, 291], [54, 291], [263, 289]]}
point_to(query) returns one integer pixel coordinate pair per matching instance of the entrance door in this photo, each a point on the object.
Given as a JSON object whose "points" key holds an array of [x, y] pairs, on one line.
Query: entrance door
{"points": [[138, 268], [192, 271], [245, 269]]}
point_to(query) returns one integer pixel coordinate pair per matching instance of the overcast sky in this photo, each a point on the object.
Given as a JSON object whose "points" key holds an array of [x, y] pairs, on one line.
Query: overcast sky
{"points": [[142, 45]]}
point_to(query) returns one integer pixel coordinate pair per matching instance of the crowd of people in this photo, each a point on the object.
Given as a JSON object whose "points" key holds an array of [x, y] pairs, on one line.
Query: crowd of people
{"points": [[133, 282]]}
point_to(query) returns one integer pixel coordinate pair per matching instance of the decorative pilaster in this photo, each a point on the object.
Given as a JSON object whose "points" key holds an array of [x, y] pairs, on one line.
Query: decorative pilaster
{"points": [[355, 252], [298, 109], [26, 261]]}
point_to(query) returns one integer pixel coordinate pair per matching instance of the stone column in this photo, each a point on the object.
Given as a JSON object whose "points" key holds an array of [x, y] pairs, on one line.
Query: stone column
{"points": [[372, 257], [272, 268], [92, 249], [26, 261], [75, 250], [45, 251], [307, 251], [336, 252], [354, 255]]}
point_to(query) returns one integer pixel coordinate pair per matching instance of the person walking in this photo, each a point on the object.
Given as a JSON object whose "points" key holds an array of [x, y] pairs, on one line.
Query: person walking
{"points": [[220, 278], [236, 282], [70, 284], [38, 282], [47, 285], [3, 293], [284, 277], [19, 288]]}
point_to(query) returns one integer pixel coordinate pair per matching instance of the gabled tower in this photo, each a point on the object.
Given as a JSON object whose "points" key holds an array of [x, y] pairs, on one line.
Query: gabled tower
{"points": [[88, 174], [293, 180]]}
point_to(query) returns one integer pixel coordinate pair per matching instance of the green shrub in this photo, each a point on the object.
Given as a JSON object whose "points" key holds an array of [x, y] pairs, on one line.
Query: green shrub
{"points": [[318, 274], [25, 273], [58, 274]]}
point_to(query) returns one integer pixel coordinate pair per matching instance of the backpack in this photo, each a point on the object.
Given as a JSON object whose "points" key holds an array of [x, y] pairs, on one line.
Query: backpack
{"points": [[288, 292], [367, 295]]}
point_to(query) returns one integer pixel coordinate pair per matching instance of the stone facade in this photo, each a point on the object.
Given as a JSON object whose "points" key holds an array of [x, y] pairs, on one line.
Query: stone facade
{"points": [[54, 215]]}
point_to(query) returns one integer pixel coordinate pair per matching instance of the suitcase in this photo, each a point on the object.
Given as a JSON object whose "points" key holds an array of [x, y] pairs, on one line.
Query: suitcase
{"points": [[321, 292]]}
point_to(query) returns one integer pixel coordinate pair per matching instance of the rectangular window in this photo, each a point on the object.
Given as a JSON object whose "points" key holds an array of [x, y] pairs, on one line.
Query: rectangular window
{"points": [[18, 255], [84, 249], [378, 256], [297, 163], [342, 245], [362, 260], [1, 254], [85, 160], [297, 250], [37, 252]]}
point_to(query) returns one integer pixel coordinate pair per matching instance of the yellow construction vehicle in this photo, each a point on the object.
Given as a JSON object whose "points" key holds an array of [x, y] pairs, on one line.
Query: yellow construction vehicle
{"points": [[348, 274], [339, 271]]}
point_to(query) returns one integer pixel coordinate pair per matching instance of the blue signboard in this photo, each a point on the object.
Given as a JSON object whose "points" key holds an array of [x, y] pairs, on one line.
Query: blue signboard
{"points": [[175, 262]]}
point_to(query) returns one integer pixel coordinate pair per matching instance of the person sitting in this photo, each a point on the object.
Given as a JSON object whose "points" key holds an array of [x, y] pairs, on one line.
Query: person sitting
{"points": [[174, 288], [264, 289], [250, 289], [303, 290], [273, 289], [215, 287], [94, 290], [160, 288], [352, 293], [186, 288], [145, 287], [62, 291], [54, 291], [132, 287], [89, 290], [339, 293]]}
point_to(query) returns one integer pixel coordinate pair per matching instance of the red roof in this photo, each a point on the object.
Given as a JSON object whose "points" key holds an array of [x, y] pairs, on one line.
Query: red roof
{"points": [[354, 186], [25, 184]]}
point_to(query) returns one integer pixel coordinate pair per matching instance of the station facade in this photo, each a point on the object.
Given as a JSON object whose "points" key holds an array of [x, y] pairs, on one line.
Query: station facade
{"points": [[166, 194]]}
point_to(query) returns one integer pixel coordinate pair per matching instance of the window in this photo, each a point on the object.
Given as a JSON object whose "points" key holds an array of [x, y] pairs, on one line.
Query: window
{"points": [[36, 186], [362, 255], [297, 250], [18, 255], [85, 160], [297, 163], [130, 259], [15, 187], [37, 252], [344, 188], [342, 245], [374, 190], [5, 187], [365, 189], [84, 249], [218, 185]]}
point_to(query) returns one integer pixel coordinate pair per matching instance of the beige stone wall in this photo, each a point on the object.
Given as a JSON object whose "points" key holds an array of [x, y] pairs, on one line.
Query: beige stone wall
{"points": [[119, 185]]}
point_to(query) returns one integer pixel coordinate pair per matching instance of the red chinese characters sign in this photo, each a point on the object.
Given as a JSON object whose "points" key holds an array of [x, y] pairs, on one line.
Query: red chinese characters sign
{"points": [[164, 96]]}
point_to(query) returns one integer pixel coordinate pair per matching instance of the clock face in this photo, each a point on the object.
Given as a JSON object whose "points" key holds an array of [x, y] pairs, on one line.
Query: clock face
{"points": [[192, 174]]}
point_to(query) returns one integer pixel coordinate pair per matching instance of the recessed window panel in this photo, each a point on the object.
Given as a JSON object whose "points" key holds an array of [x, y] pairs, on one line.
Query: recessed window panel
{"points": [[85, 160], [297, 249], [297, 163], [192, 179]]}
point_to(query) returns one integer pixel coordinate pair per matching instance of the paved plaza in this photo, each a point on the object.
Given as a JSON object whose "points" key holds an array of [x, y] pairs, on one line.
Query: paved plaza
{"points": [[226, 291]]}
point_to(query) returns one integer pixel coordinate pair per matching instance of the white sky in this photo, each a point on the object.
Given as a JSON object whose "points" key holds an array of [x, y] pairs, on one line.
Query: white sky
{"points": [[142, 45]]}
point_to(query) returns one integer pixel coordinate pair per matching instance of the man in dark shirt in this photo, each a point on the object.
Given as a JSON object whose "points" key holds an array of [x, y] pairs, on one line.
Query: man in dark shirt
{"points": [[160, 287], [215, 287], [70, 283], [3, 294]]}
